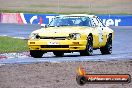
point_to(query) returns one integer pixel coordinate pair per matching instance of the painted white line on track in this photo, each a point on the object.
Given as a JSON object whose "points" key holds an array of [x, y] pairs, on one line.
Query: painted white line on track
{"points": [[13, 37], [2, 64]]}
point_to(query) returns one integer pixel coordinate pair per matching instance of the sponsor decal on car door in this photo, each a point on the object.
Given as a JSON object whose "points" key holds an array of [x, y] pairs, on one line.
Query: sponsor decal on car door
{"points": [[100, 31], [99, 28]]}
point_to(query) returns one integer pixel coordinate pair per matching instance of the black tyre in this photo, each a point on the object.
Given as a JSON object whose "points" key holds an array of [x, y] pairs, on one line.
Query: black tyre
{"points": [[81, 80], [58, 54], [36, 53], [107, 49], [89, 47]]}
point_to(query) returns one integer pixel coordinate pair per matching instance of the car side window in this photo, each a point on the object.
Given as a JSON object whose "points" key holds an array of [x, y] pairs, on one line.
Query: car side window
{"points": [[97, 23], [93, 22], [100, 23]]}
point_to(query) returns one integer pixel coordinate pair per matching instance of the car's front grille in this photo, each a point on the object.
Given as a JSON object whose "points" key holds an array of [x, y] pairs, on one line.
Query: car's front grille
{"points": [[56, 38], [54, 46]]}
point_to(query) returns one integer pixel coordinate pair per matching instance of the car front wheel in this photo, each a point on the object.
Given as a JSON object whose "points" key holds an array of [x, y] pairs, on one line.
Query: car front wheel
{"points": [[36, 53], [89, 47]]}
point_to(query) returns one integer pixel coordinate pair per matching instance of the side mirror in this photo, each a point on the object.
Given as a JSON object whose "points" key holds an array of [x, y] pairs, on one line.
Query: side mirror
{"points": [[44, 25]]}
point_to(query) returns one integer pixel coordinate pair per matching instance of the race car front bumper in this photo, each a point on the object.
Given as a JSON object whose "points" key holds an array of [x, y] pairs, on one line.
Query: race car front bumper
{"points": [[57, 45]]}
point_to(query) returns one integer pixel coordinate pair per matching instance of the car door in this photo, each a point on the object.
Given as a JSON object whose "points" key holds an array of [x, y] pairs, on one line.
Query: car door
{"points": [[102, 28], [100, 31]]}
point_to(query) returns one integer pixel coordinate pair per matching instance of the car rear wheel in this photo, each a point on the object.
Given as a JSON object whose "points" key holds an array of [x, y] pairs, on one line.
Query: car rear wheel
{"points": [[36, 53], [89, 47], [58, 54], [107, 49]]}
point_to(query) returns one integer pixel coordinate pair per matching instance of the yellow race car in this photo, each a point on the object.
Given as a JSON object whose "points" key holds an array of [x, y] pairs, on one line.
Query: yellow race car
{"points": [[71, 33]]}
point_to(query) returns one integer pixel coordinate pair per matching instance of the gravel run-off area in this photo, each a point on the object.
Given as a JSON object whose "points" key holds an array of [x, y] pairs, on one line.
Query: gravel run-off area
{"points": [[60, 75]]}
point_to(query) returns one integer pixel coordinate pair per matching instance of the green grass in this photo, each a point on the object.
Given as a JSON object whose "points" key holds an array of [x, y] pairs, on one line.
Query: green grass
{"points": [[48, 12], [60, 6], [67, 7], [8, 44], [23, 11]]}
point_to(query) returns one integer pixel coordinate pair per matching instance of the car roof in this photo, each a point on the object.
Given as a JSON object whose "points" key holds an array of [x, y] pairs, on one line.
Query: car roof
{"points": [[74, 15]]}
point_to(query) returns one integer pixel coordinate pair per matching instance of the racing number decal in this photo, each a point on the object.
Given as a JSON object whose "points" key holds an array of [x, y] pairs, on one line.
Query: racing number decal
{"points": [[95, 23], [100, 34]]}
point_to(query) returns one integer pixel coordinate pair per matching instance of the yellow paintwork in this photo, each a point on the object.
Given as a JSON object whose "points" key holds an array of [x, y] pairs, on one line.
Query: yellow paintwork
{"points": [[74, 45], [80, 46]]}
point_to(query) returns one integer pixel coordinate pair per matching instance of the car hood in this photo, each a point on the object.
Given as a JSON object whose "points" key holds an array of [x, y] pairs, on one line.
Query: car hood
{"points": [[62, 31]]}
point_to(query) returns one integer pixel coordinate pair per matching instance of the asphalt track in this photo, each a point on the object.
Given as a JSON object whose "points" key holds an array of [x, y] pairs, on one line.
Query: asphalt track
{"points": [[17, 30], [122, 46]]}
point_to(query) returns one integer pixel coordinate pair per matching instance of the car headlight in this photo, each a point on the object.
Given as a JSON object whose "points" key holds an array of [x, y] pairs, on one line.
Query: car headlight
{"points": [[33, 36], [74, 36]]}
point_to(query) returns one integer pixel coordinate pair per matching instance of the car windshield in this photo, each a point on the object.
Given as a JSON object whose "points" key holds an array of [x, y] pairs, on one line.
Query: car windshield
{"points": [[70, 21]]}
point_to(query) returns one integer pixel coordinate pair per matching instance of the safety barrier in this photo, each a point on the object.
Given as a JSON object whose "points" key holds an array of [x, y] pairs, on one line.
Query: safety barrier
{"points": [[11, 18], [0, 17], [26, 18], [116, 20]]}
